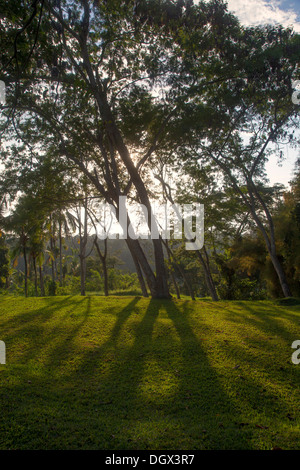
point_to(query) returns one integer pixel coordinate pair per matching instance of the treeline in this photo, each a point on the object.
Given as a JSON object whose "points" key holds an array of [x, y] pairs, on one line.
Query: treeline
{"points": [[44, 255]]}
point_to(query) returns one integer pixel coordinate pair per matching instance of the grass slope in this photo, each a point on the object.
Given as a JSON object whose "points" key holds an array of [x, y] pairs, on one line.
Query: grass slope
{"points": [[133, 373]]}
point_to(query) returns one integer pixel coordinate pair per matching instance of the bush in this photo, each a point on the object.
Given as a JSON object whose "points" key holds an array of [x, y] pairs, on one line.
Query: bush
{"points": [[242, 289], [51, 287]]}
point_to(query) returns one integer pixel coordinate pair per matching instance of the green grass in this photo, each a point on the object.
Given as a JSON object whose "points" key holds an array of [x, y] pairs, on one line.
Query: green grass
{"points": [[134, 373]]}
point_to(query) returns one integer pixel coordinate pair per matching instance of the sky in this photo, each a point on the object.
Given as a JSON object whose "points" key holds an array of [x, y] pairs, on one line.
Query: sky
{"points": [[287, 13], [256, 12]]}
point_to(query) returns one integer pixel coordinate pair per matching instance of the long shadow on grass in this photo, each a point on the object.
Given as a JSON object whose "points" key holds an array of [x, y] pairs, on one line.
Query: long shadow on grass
{"points": [[157, 390], [270, 319], [158, 393], [29, 328], [267, 333], [207, 414], [42, 314], [34, 406], [60, 351]]}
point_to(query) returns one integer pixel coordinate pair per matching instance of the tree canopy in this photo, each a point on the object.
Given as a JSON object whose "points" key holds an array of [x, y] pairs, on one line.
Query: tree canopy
{"points": [[107, 91]]}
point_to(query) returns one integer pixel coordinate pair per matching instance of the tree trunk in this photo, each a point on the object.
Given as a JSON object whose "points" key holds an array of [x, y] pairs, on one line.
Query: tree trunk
{"points": [[271, 247], [104, 265], [208, 278], [140, 275], [182, 273], [269, 239], [25, 271], [157, 283], [175, 284], [52, 259], [60, 256], [82, 275], [281, 275], [42, 287], [105, 274], [172, 273], [82, 267], [82, 248], [215, 296], [35, 276]]}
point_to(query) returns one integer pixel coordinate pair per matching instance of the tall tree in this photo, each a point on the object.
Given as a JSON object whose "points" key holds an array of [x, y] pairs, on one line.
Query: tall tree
{"points": [[250, 115], [105, 83]]}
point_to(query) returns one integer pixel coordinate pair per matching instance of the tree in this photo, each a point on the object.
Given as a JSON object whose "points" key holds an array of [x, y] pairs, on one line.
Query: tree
{"points": [[287, 229], [27, 222], [4, 262], [251, 114], [105, 86], [87, 90]]}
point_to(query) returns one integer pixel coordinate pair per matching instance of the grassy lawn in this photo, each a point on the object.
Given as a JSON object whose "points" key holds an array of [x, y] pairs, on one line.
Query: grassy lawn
{"points": [[133, 373]]}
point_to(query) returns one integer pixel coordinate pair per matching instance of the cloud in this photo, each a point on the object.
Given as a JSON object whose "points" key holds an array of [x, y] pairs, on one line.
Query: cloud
{"points": [[258, 12]]}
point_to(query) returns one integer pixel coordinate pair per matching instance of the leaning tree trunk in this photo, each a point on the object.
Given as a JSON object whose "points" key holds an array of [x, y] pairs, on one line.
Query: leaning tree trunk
{"points": [[208, 278], [180, 269], [281, 275], [271, 244], [269, 239], [140, 275], [269, 236], [140, 258], [174, 283], [157, 283]]}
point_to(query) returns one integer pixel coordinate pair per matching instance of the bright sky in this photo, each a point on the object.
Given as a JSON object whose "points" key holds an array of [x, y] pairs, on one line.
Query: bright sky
{"points": [[256, 12], [287, 13]]}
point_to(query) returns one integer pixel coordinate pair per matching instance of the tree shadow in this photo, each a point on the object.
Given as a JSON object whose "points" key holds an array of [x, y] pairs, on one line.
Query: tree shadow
{"points": [[29, 328], [160, 390], [147, 381], [208, 415]]}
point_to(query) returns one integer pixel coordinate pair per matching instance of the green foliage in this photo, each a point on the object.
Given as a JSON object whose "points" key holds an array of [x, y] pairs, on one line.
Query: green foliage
{"points": [[4, 262], [287, 225], [118, 280], [236, 283], [103, 92], [51, 285], [241, 289], [71, 285]]}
